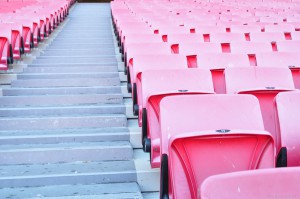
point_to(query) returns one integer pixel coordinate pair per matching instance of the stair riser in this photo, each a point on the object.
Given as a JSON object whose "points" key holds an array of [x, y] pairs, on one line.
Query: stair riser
{"points": [[62, 100], [65, 76], [65, 155], [71, 69], [69, 179], [65, 139], [61, 91], [63, 123], [103, 61], [39, 83]]}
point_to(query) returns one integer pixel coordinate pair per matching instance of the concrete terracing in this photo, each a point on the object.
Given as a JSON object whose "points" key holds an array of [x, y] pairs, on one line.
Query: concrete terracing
{"points": [[66, 123]]}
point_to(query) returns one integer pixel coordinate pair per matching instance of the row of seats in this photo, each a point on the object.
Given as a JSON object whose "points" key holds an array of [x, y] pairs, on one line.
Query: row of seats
{"points": [[215, 88], [24, 23]]}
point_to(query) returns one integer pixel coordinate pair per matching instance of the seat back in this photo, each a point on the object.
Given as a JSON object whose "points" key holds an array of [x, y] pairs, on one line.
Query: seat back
{"points": [[146, 49], [288, 46], [184, 37], [267, 36], [225, 135], [196, 48], [245, 28], [279, 59], [157, 62], [288, 109], [265, 84], [226, 37], [218, 62], [260, 184]]}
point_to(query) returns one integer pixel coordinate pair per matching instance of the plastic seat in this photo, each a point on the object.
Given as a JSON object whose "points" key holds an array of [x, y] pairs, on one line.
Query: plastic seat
{"points": [[265, 84], [196, 48], [282, 59], [226, 37], [141, 38], [179, 38], [155, 86], [287, 120], [150, 62], [220, 134], [145, 49], [280, 28], [14, 41], [288, 46], [206, 29], [295, 35], [244, 28], [4, 48], [217, 62], [259, 184], [250, 48], [271, 37]]}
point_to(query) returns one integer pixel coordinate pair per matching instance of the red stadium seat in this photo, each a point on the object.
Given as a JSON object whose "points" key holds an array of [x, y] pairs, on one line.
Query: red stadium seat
{"points": [[155, 86], [265, 84], [288, 46], [288, 109], [135, 49], [150, 62], [217, 62], [250, 48], [259, 184], [220, 134], [282, 59], [196, 48]]}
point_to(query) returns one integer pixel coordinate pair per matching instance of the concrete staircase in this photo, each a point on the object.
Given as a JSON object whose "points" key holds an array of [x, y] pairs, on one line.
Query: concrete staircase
{"points": [[66, 127]]}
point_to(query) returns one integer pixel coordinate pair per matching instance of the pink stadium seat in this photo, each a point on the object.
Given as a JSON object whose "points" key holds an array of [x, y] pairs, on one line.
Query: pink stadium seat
{"points": [[250, 48], [135, 49], [244, 28], [4, 49], [282, 59], [217, 62], [220, 134], [265, 84], [226, 37], [287, 123], [163, 29], [141, 38], [288, 46], [206, 29], [283, 28], [155, 86], [150, 62], [14, 41], [295, 35], [259, 184], [179, 38], [272, 37], [196, 48]]}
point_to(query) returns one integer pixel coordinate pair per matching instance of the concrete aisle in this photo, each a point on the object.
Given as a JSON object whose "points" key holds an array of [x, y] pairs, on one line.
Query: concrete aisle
{"points": [[66, 127]]}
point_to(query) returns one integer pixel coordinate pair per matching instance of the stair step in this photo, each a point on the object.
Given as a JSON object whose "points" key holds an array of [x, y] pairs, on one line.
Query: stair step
{"points": [[64, 135], [82, 191], [61, 91], [108, 51], [66, 111], [65, 152], [67, 173], [67, 68], [61, 100], [78, 60], [77, 45], [65, 82], [67, 75], [63, 122]]}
